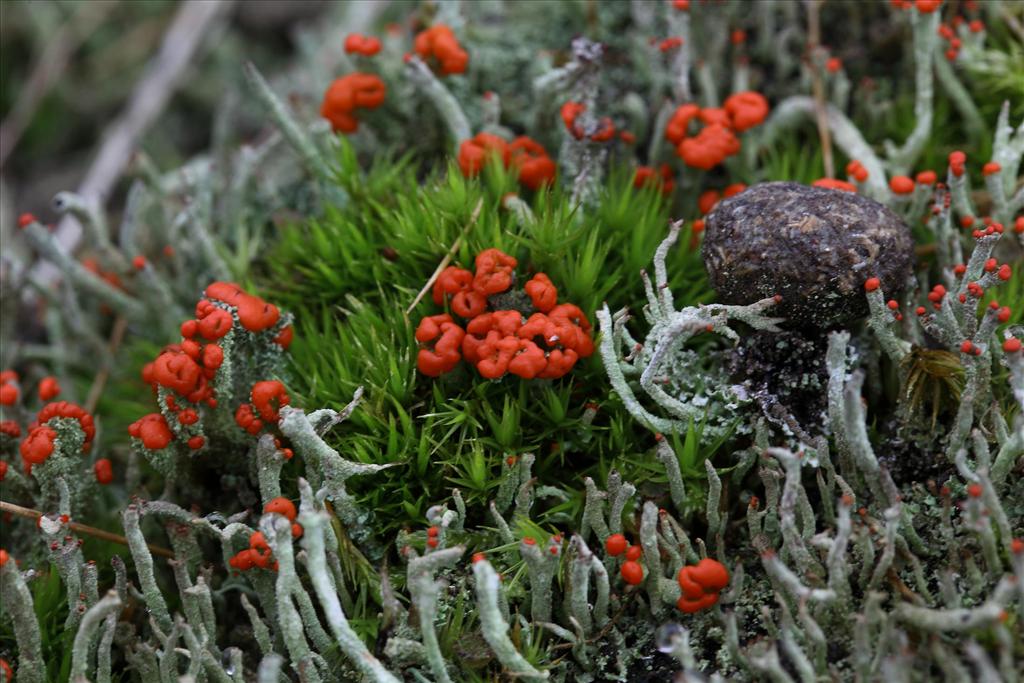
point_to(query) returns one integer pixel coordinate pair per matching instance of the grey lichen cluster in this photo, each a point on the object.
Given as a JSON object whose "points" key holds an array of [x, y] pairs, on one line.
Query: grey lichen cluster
{"points": [[839, 573]]}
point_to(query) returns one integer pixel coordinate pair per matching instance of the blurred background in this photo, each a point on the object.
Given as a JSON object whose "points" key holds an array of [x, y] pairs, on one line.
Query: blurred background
{"points": [[86, 84], [82, 80]]}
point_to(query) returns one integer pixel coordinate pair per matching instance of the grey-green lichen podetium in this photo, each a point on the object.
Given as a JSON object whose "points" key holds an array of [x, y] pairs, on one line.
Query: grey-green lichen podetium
{"points": [[813, 246]]}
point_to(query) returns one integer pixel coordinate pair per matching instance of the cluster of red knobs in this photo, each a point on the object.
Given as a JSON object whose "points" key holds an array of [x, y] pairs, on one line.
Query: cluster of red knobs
{"points": [[700, 584], [544, 345], [258, 554]]}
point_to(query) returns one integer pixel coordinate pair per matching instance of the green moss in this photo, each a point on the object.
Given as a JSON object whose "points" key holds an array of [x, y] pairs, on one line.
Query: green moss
{"points": [[350, 276]]}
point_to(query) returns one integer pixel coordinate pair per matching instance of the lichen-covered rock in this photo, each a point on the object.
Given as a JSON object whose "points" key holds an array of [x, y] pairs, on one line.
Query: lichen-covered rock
{"points": [[814, 246]]}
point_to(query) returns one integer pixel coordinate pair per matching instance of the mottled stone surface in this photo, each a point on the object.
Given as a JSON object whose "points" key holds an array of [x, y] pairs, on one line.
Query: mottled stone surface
{"points": [[812, 245]]}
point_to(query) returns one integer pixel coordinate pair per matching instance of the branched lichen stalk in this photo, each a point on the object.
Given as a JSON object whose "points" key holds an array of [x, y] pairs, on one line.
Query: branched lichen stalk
{"points": [[441, 97], [94, 616], [277, 530], [46, 244], [425, 593], [289, 127], [313, 525], [495, 628], [144, 567], [961, 619], [18, 604]]}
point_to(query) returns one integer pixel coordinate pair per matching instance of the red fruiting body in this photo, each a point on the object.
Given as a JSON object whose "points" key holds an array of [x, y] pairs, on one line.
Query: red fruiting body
{"points": [[281, 506], [833, 65], [254, 313], [348, 93], [670, 43], [834, 184], [152, 430], [662, 179], [956, 162], [546, 346], [927, 6], [926, 178], [10, 428], [733, 190], [901, 184], [284, 337], [1004, 272], [49, 389], [479, 557], [139, 262], [709, 148], [529, 157], [8, 392], [856, 170], [967, 346], [616, 544], [38, 445], [196, 442], [871, 284], [215, 323], [634, 553], [433, 531], [974, 490], [175, 370], [678, 126], [1012, 345], [632, 572], [447, 341], [570, 112], [439, 42], [746, 109], [991, 168], [357, 43], [701, 584], [493, 272], [707, 200], [268, 397], [473, 153], [104, 471], [542, 292], [246, 419]]}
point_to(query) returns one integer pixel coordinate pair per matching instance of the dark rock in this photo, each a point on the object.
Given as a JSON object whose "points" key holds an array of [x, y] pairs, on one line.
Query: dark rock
{"points": [[812, 245]]}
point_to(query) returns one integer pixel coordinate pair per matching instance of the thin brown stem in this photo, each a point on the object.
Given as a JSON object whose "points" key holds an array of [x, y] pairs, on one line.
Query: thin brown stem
{"points": [[29, 513], [817, 85], [100, 381], [447, 257]]}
